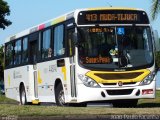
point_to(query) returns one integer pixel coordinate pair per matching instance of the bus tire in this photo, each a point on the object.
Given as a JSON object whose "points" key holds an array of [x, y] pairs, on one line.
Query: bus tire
{"points": [[125, 103], [23, 99], [59, 95]]}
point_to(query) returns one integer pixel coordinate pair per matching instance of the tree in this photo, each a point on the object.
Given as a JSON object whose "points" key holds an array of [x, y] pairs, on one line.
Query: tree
{"points": [[155, 8], [4, 11], [1, 62], [157, 58]]}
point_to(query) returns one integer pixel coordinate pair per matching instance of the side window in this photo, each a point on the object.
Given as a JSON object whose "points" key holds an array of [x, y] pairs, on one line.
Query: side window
{"points": [[46, 46], [9, 55], [17, 56], [25, 50], [147, 40], [59, 45]]}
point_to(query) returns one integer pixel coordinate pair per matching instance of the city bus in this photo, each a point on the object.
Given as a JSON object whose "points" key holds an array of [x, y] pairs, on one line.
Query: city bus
{"points": [[92, 55]]}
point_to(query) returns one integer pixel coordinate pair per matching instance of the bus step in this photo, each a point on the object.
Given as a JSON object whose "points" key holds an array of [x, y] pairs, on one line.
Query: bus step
{"points": [[36, 101]]}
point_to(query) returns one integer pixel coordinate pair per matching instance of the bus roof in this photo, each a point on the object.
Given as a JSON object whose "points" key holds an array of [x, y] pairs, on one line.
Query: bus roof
{"points": [[59, 20]]}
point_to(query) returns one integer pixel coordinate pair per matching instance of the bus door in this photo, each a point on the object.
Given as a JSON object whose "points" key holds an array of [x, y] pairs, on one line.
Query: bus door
{"points": [[33, 46], [33, 53], [70, 37]]}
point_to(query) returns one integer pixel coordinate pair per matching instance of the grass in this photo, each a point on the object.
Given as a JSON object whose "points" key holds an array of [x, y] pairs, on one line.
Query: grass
{"points": [[4, 100], [145, 106], [150, 102], [6, 110]]}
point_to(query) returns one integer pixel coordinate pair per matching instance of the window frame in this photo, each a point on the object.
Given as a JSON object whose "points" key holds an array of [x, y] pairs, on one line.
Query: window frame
{"points": [[22, 51], [6, 64], [64, 40], [41, 43], [18, 52]]}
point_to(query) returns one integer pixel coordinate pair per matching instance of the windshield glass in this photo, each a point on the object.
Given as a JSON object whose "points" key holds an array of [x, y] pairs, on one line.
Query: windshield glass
{"points": [[115, 47]]}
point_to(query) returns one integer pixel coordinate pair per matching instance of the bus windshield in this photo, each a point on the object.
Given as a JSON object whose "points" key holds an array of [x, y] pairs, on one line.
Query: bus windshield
{"points": [[115, 47]]}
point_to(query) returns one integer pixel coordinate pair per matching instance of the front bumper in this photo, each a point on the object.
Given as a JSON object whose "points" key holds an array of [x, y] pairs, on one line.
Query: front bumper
{"points": [[87, 94]]}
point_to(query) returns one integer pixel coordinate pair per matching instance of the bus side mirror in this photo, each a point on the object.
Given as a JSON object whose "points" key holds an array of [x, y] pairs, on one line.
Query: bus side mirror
{"points": [[156, 39]]}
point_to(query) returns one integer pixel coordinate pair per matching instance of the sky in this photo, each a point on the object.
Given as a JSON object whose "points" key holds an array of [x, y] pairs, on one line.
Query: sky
{"points": [[28, 13]]}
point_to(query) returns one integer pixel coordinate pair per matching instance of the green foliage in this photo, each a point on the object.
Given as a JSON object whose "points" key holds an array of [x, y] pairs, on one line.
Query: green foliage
{"points": [[1, 62], [158, 59], [4, 11], [155, 8]]}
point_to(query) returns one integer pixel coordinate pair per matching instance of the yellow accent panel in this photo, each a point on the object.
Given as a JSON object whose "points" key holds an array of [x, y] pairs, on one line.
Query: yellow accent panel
{"points": [[139, 78], [111, 8], [58, 20], [39, 78], [64, 72], [35, 101], [9, 80]]}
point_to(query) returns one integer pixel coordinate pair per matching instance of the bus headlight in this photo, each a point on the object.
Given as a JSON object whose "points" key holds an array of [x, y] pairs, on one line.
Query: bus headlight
{"points": [[87, 81], [148, 79]]}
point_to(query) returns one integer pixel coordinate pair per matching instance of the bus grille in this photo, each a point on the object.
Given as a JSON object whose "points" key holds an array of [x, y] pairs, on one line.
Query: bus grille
{"points": [[109, 83], [129, 83], [125, 83], [119, 92], [115, 76]]}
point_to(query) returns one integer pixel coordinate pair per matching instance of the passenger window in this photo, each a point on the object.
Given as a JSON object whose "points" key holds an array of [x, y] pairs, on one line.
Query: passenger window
{"points": [[9, 55], [59, 45], [46, 46], [25, 50], [17, 56]]}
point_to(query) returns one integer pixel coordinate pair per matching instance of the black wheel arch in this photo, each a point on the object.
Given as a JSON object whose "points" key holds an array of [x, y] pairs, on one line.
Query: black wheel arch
{"points": [[21, 86], [57, 82]]}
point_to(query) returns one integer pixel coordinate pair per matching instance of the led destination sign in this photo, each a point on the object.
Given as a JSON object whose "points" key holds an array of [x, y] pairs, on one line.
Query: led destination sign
{"points": [[100, 29], [113, 17], [96, 60]]}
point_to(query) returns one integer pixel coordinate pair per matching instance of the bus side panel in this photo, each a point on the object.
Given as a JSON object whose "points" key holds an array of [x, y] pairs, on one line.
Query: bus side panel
{"points": [[48, 73], [12, 79], [30, 86], [46, 77]]}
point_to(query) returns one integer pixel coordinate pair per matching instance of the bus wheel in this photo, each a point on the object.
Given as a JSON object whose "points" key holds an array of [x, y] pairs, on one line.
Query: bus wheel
{"points": [[125, 103], [59, 94], [23, 99]]}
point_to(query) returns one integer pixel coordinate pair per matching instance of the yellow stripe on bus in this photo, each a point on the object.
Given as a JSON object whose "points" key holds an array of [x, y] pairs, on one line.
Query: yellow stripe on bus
{"points": [[64, 72], [9, 80], [58, 20], [39, 78], [139, 78], [110, 8]]}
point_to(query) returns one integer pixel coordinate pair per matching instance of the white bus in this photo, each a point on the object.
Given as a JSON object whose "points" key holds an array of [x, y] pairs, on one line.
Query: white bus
{"points": [[88, 55]]}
